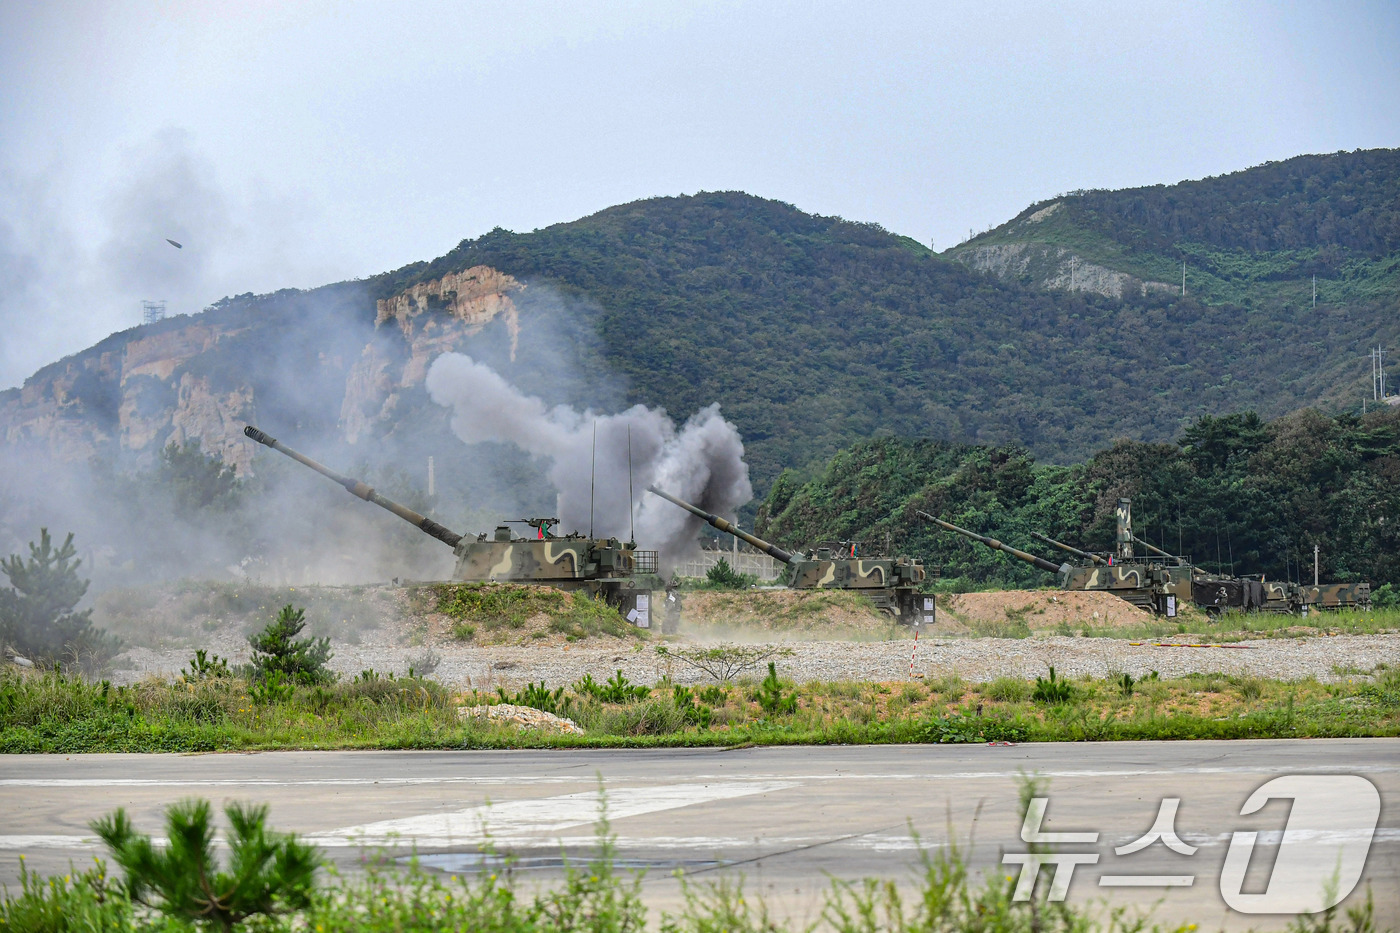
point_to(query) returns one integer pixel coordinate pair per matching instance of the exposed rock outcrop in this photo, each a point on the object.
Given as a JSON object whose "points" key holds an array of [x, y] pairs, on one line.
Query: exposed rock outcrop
{"points": [[1047, 266], [521, 717], [199, 377]]}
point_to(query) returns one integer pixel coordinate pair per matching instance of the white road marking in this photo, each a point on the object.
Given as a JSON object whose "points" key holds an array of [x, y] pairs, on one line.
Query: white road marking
{"points": [[799, 778], [877, 842], [514, 819]]}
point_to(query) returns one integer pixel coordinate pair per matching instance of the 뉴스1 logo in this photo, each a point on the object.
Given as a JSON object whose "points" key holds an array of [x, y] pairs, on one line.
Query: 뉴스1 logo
{"points": [[1321, 851]]}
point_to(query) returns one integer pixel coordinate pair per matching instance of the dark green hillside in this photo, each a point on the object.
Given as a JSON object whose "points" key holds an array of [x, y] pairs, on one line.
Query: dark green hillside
{"points": [[1235, 492], [1253, 238], [814, 331]]}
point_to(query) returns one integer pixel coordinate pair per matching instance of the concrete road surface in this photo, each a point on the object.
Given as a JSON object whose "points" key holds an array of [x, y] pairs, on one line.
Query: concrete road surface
{"points": [[790, 819]]}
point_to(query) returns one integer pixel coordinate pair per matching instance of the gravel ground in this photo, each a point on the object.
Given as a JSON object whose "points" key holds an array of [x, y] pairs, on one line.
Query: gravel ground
{"points": [[974, 659]]}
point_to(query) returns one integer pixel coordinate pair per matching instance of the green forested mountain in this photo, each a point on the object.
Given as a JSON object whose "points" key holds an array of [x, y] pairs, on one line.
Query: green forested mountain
{"points": [[1254, 238], [1235, 492], [815, 331], [812, 332]]}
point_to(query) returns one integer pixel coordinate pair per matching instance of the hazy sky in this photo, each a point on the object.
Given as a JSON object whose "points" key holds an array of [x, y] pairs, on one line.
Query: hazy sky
{"points": [[298, 144]]}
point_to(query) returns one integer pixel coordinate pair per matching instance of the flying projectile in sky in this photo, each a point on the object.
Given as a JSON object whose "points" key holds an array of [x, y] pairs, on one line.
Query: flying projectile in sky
{"points": [[173, 243]]}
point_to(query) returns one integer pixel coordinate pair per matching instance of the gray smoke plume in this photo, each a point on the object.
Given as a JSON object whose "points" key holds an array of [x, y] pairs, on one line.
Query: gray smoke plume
{"points": [[701, 462]]}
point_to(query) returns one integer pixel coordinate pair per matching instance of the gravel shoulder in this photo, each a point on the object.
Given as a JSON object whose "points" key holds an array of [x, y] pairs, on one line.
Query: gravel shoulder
{"points": [[973, 659]]}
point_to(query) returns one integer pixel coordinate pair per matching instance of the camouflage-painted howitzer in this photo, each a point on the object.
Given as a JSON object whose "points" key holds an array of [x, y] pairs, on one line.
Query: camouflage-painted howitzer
{"points": [[1303, 598], [1146, 585], [605, 568], [891, 583]]}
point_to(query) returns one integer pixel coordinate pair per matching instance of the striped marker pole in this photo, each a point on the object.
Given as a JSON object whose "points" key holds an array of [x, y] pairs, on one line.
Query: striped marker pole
{"points": [[916, 651]]}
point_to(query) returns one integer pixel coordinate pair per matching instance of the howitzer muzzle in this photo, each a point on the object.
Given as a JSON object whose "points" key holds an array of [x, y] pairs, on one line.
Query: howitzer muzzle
{"points": [[996, 545], [362, 490], [728, 527]]}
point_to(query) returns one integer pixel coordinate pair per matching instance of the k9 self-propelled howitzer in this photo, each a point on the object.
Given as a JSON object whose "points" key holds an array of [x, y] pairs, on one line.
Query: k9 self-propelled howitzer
{"points": [[605, 568], [1146, 583], [889, 582]]}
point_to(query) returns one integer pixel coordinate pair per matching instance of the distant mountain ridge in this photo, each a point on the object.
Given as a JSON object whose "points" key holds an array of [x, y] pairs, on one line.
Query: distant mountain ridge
{"points": [[1254, 238], [811, 332]]}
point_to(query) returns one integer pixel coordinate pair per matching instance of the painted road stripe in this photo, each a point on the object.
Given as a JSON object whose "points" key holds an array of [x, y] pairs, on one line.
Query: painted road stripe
{"points": [[513, 819], [800, 778]]}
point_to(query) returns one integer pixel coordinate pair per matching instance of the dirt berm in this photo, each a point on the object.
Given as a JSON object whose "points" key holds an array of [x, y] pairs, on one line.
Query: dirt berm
{"points": [[1042, 609]]}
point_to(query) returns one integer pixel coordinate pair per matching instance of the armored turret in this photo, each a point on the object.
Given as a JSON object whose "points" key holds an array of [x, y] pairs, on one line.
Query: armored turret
{"points": [[890, 582], [606, 568]]}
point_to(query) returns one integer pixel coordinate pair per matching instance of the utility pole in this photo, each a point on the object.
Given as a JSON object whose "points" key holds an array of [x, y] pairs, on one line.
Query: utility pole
{"points": [[1314, 565], [1183, 278]]}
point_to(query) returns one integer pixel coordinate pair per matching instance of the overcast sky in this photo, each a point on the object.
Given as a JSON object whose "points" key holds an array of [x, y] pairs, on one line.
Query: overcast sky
{"points": [[298, 144]]}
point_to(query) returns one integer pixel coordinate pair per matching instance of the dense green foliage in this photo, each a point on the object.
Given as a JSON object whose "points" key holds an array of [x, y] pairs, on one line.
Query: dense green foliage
{"points": [[1234, 492], [1347, 200], [279, 654], [195, 480], [37, 612], [268, 873], [1253, 238], [813, 332]]}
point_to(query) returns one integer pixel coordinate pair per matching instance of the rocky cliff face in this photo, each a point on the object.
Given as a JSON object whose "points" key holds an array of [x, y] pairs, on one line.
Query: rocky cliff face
{"points": [[1047, 266], [433, 318], [202, 377]]}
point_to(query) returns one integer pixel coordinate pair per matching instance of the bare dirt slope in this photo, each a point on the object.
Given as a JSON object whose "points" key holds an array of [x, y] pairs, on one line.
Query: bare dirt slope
{"points": [[784, 615], [1043, 609]]}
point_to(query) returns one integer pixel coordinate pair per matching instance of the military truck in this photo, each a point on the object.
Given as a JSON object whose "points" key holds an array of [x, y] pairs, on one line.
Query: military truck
{"points": [[604, 568], [891, 583]]}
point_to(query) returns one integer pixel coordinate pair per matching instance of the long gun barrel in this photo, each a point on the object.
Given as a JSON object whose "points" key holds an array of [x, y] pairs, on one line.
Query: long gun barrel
{"points": [[729, 527], [425, 524], [1156, 550], [1082, 555], [996, 545]]}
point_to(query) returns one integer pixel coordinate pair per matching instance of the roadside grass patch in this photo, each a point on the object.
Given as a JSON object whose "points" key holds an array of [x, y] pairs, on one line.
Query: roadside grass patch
{"points": [[50, 713]]}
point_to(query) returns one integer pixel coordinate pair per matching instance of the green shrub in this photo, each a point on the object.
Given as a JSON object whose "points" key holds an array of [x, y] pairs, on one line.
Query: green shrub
{"points": [[1007, 689], [774, 700], [616, 689], [695, 714], [268, 873], [1052, 691], [277, 650], [37, 617], [724, 577], [73, 903], [540, 697], [204, 666]]}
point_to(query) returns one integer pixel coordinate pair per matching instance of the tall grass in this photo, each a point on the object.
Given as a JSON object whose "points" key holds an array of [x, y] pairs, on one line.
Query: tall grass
{"points": [[47, 712]]}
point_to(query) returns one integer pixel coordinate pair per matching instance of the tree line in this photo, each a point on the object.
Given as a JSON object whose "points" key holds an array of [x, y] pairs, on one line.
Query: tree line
{"points": [[1235, 493]]}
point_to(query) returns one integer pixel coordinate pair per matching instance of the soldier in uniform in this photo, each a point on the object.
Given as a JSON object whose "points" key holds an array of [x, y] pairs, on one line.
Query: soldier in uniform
{"points": [[671, 613]]}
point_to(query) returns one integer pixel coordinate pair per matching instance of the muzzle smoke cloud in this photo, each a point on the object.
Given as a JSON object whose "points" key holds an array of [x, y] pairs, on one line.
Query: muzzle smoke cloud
{"points": [[702, 461]]}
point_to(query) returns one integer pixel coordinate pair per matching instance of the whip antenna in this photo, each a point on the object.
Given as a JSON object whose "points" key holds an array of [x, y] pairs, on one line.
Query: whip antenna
{"points": [[631, 509], [593, 478]]}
